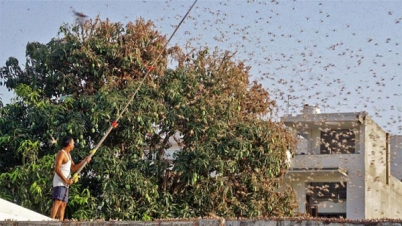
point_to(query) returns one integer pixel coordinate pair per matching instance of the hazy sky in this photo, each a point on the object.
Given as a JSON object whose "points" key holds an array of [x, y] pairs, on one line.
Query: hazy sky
{"points": [[344, 56]]}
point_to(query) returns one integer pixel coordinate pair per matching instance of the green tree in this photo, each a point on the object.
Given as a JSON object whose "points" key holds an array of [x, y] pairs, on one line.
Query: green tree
{"points": [[232, 154]]}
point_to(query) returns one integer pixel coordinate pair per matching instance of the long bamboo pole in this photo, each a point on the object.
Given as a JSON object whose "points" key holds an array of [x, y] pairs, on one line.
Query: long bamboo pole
{"points": [[114, 123]]}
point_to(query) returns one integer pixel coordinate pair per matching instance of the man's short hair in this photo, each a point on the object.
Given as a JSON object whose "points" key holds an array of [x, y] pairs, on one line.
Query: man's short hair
{"points": [[66, 141]]}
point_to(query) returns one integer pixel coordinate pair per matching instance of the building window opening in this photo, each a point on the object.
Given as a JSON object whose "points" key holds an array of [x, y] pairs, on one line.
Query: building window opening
{"points": [[331, 191], [332, 215], [326, 199], [336, 141]]}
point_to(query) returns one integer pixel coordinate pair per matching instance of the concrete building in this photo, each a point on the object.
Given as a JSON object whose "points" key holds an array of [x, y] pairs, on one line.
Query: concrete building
{"points": [[344, 166]]}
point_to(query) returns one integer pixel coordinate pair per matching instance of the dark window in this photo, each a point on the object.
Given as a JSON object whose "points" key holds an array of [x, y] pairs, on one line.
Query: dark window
{"points": [[332, 215], [326, 191], [337, 141]]}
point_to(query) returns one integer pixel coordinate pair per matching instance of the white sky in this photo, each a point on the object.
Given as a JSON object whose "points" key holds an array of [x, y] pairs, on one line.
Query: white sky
{"points": [[344, 56]]}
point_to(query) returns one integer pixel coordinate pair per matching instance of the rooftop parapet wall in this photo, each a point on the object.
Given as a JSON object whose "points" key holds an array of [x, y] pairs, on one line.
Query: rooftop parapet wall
{"points": [[222, 222], [327, 117]]}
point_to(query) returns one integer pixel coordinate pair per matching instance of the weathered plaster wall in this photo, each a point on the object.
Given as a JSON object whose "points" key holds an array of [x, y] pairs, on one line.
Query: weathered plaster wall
{"points": [[375, 158], [221, 222], [387, 198], [382, 192]]}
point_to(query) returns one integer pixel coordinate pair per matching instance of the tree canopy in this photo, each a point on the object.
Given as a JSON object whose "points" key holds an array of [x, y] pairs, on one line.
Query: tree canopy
{"points": [[231, 155]]}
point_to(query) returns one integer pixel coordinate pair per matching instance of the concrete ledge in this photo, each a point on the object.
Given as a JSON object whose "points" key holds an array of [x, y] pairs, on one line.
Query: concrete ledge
{"points": [[213, 222]]}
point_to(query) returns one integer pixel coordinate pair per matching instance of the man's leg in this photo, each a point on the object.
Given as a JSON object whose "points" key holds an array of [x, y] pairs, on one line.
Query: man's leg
{"points": [[61, 211], [55, 208], [60, 197]]}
